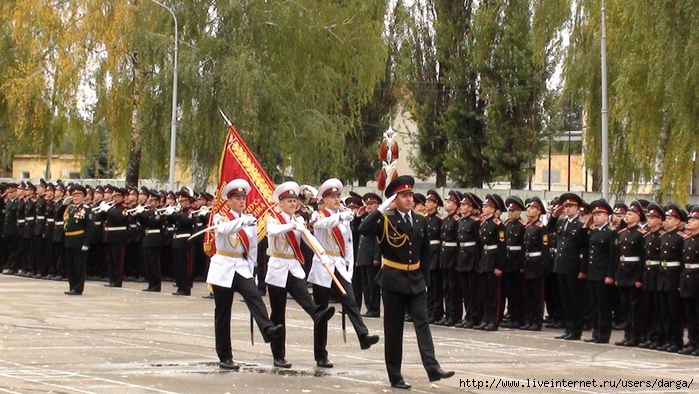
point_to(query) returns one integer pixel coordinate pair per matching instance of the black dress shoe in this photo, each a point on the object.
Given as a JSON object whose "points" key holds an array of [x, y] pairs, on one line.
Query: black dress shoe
{"points": [[562, 336], [112, 285], [153, 290], [534, 327], [209, 296], [491, 327], [441, 321], [430, 320], [450, 323], [229, 364], [573, 337], [664, 347], [272, 333], [324, 315], [372, 314], [524, 326], [655, 345], [324, 363], [673, 349], [559, 324], [439, 374], [620, 343], [469, 324], [688, 350], [604, 340], [181, 293], [282, 363], [590, 340], [365, 341], [401, 384], [645, 345], [72, 292], [481, 326], [408, 318]]}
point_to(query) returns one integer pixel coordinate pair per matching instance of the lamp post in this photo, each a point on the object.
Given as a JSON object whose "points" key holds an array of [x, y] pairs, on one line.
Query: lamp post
{"points": [[605, 112], [173, 124]]}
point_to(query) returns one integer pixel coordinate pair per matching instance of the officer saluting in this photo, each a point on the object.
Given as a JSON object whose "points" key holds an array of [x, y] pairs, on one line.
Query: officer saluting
{"points": [[78, 236], [404, 244], [231, 270]]}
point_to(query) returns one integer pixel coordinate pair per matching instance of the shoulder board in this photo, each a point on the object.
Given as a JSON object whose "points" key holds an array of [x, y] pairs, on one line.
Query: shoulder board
{"points": [[684, 234], [455, 216], [623, 229], [497, 221], [642, 230], [390, 212], [440, 217], [539, 224], [662, 232]]}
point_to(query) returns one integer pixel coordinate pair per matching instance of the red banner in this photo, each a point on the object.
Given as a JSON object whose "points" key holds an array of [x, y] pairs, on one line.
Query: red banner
{"points": [[238, 162]]}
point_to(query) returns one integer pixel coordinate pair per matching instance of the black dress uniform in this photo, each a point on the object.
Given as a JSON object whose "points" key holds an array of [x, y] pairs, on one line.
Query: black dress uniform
{"points": [[492, 239], [116, 236], [369, 261], [58, 241], [602, 255], [629, 272], [28, 236], [671, 246], [11, 234], [653, 335], [183, 249], [689, 287], [469, 254], [571, 251], [48, 236], [153, 224], [78, 228], [403, 280], [41, 249], [448, 258], [435, 290], [21, 245], [514, 263], [536, 259]]}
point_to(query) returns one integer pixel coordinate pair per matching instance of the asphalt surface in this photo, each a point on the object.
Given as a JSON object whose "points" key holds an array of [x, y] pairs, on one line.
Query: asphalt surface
{"points": [[123, 340]]}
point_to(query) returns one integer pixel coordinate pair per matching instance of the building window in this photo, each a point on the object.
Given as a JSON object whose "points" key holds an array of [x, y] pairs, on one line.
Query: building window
{"points": [[25, 174], [555, 176], [74, 175]]}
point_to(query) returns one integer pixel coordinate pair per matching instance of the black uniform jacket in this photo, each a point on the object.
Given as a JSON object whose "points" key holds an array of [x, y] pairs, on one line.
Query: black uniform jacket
{"points": [[537, 252], [449, 235], [631, 256], [492, 236], [602, 244], [571, 245], [671, 246], [78, 226], [689, 279], [469, 243], [514, 238], [401, 246]]}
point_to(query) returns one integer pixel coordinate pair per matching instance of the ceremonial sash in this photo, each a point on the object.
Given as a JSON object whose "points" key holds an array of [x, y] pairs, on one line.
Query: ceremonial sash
{"points": [[291, 238], [336, 233], [242, 236]]}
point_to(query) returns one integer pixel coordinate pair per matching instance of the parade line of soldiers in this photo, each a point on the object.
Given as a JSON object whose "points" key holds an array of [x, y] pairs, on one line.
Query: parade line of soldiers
{"points": [[589, 266]]}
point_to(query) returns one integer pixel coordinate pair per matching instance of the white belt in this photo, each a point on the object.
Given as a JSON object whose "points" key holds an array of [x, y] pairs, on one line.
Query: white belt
{"points": [[514, 247], [691, 266], [115, 228], [185, 235], [630, 258], [40, 217], [435, 242], [20, 221], [653, 262], [132, 226], [50, 220], [170, 229], [30, 218], [153, 231], [59, 223], [467, 244], [490, 247], [670, 264], [533, 254], [200, 224], [450, 244], [98, 223]]}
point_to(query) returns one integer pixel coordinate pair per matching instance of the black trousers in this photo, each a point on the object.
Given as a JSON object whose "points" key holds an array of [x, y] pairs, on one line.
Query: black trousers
{"points": [[115, 264], [223, 298], [670, 307], [277, 301], [76, 261], [631, 299], [41, 252], [452, 294], [471, 295], [491, 298], [435, 295], [29, 262], [653, 326], [357, 286], [13, 262], [371, 289], [552, 296], [601, 298], [321, 295], [572, 292], [152, 262], [167, 265], [395, 305], [183, 259], [513, 284], [691, 313], [534, 301]]}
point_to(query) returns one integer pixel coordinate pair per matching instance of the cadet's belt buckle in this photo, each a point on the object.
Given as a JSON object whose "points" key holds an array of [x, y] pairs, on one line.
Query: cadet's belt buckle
{"points": [[664, 264], [622, 258]]}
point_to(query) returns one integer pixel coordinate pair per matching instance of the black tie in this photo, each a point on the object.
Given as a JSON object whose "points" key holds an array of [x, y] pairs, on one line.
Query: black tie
{"points": [[408, 221]]}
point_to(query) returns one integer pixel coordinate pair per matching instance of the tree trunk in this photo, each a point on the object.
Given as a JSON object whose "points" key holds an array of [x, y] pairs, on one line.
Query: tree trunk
{"points": [[441, 178], [134, 167]]}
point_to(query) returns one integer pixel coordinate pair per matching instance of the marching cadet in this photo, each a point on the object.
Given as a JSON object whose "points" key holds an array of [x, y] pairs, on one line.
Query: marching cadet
{"points": [[602, 247], [435, 290], [492, 238], [536, 257], [448, 256], [78, 228], [654, 336], [58, 258], [47, 236], [116, 236], [514, 263], [689, 283], [369, 259], [10, 229], [28, 239], [571, 255], [331, 228], [201, 260], [285, 274], [41, 250], [168, 268], [96, 256], [669, 277], [468, 260], [231, 270], [153, 223], [354, 202], [133, 263], [404, 242], [182, 247], [629, 275]]}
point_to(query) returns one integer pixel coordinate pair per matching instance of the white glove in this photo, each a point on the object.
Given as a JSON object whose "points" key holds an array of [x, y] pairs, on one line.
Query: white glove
{"points": [[140, 209], [202, 212], [324, 259], [84, 248], [387, 203], [248, 220], [347, 215], [299, 223]]}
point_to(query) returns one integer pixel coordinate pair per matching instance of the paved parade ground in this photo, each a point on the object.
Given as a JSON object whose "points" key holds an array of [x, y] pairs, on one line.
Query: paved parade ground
{"points": [[123, 340]]}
